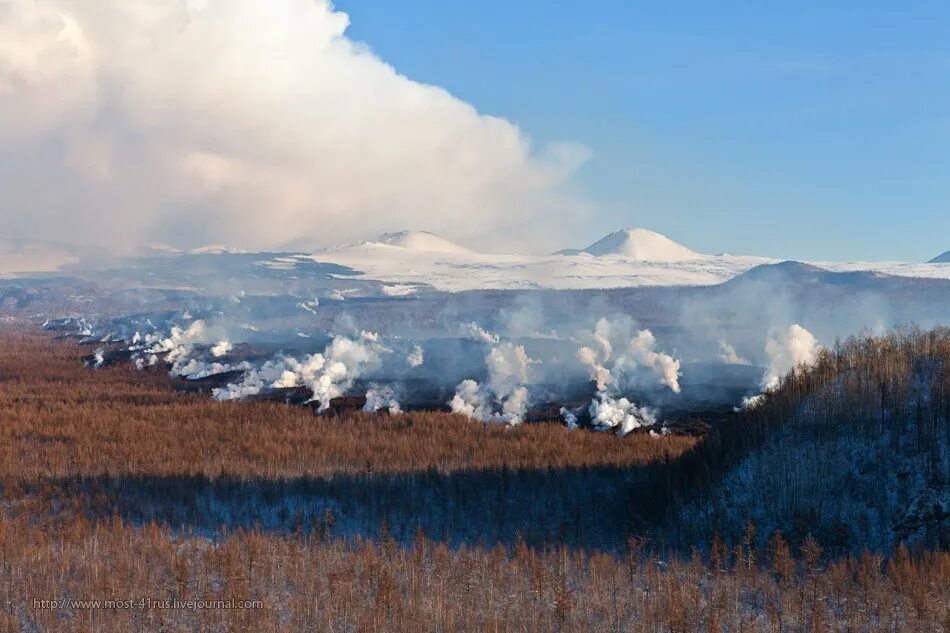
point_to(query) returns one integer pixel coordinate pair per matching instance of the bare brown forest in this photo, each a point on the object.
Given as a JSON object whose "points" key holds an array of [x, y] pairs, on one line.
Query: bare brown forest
{"points": [[60, 419], [306, 583], [118, 488]]}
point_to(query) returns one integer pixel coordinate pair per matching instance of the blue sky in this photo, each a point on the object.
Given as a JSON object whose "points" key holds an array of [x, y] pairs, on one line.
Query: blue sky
{"points": [[805, 130]]}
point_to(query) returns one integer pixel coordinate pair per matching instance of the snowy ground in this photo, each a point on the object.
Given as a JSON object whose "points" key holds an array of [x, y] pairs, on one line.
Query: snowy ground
{"points": [[405, 262], [454, 272], [897, 269]]}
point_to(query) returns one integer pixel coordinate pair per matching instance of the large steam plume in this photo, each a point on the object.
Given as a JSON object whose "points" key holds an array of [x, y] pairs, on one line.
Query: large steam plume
{"points": [[787, 349], [612, 349], [328, 375], [620, 414], [177, 349], [250, 122], [504, 397], [381, 397]]}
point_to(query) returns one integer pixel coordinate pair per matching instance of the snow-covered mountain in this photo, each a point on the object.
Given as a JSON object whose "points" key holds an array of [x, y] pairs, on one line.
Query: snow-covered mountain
{"points": [[217, 249], [409, 261], [641, 245], [161, 249], [633, 257], [422, 241], [415, 242], [941, 259]]}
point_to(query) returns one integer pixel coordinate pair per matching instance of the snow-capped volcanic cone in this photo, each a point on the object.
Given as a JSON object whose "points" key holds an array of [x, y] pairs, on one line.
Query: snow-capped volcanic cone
{"points": [[422, 241], [941, 259], [642, 245]]}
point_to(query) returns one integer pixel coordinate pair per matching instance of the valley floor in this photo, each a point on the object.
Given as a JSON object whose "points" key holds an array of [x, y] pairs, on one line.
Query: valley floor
{"points": [[268, 518]]}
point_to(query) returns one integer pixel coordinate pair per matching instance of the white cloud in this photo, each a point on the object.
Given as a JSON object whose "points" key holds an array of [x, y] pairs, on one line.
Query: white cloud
{"points": [[47, 72], [248, 122]]}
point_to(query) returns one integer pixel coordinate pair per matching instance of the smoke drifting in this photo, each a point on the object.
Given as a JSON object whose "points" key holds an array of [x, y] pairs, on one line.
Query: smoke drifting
{"points": [[259, 124]]}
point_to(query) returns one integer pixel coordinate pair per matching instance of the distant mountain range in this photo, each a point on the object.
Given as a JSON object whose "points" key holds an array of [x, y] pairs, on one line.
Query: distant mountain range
{"points": [[406, 261], [632, 257], [633, 243]]}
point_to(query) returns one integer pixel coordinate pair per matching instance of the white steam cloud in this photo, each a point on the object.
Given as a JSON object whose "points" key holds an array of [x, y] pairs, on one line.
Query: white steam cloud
{"points": [[477, 333], [177, 349], [381, 397], [221, 348], [327, 375], [504, 397], [620, 414], [604, 364], [416, 357], [570, 417], [248, 122], [664, 366], [611, 349], [786, 350], [728, 355]]}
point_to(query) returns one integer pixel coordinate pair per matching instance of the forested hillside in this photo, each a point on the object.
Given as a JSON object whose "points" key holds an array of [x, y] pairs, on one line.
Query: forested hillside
{"points": [[853, 450]]}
